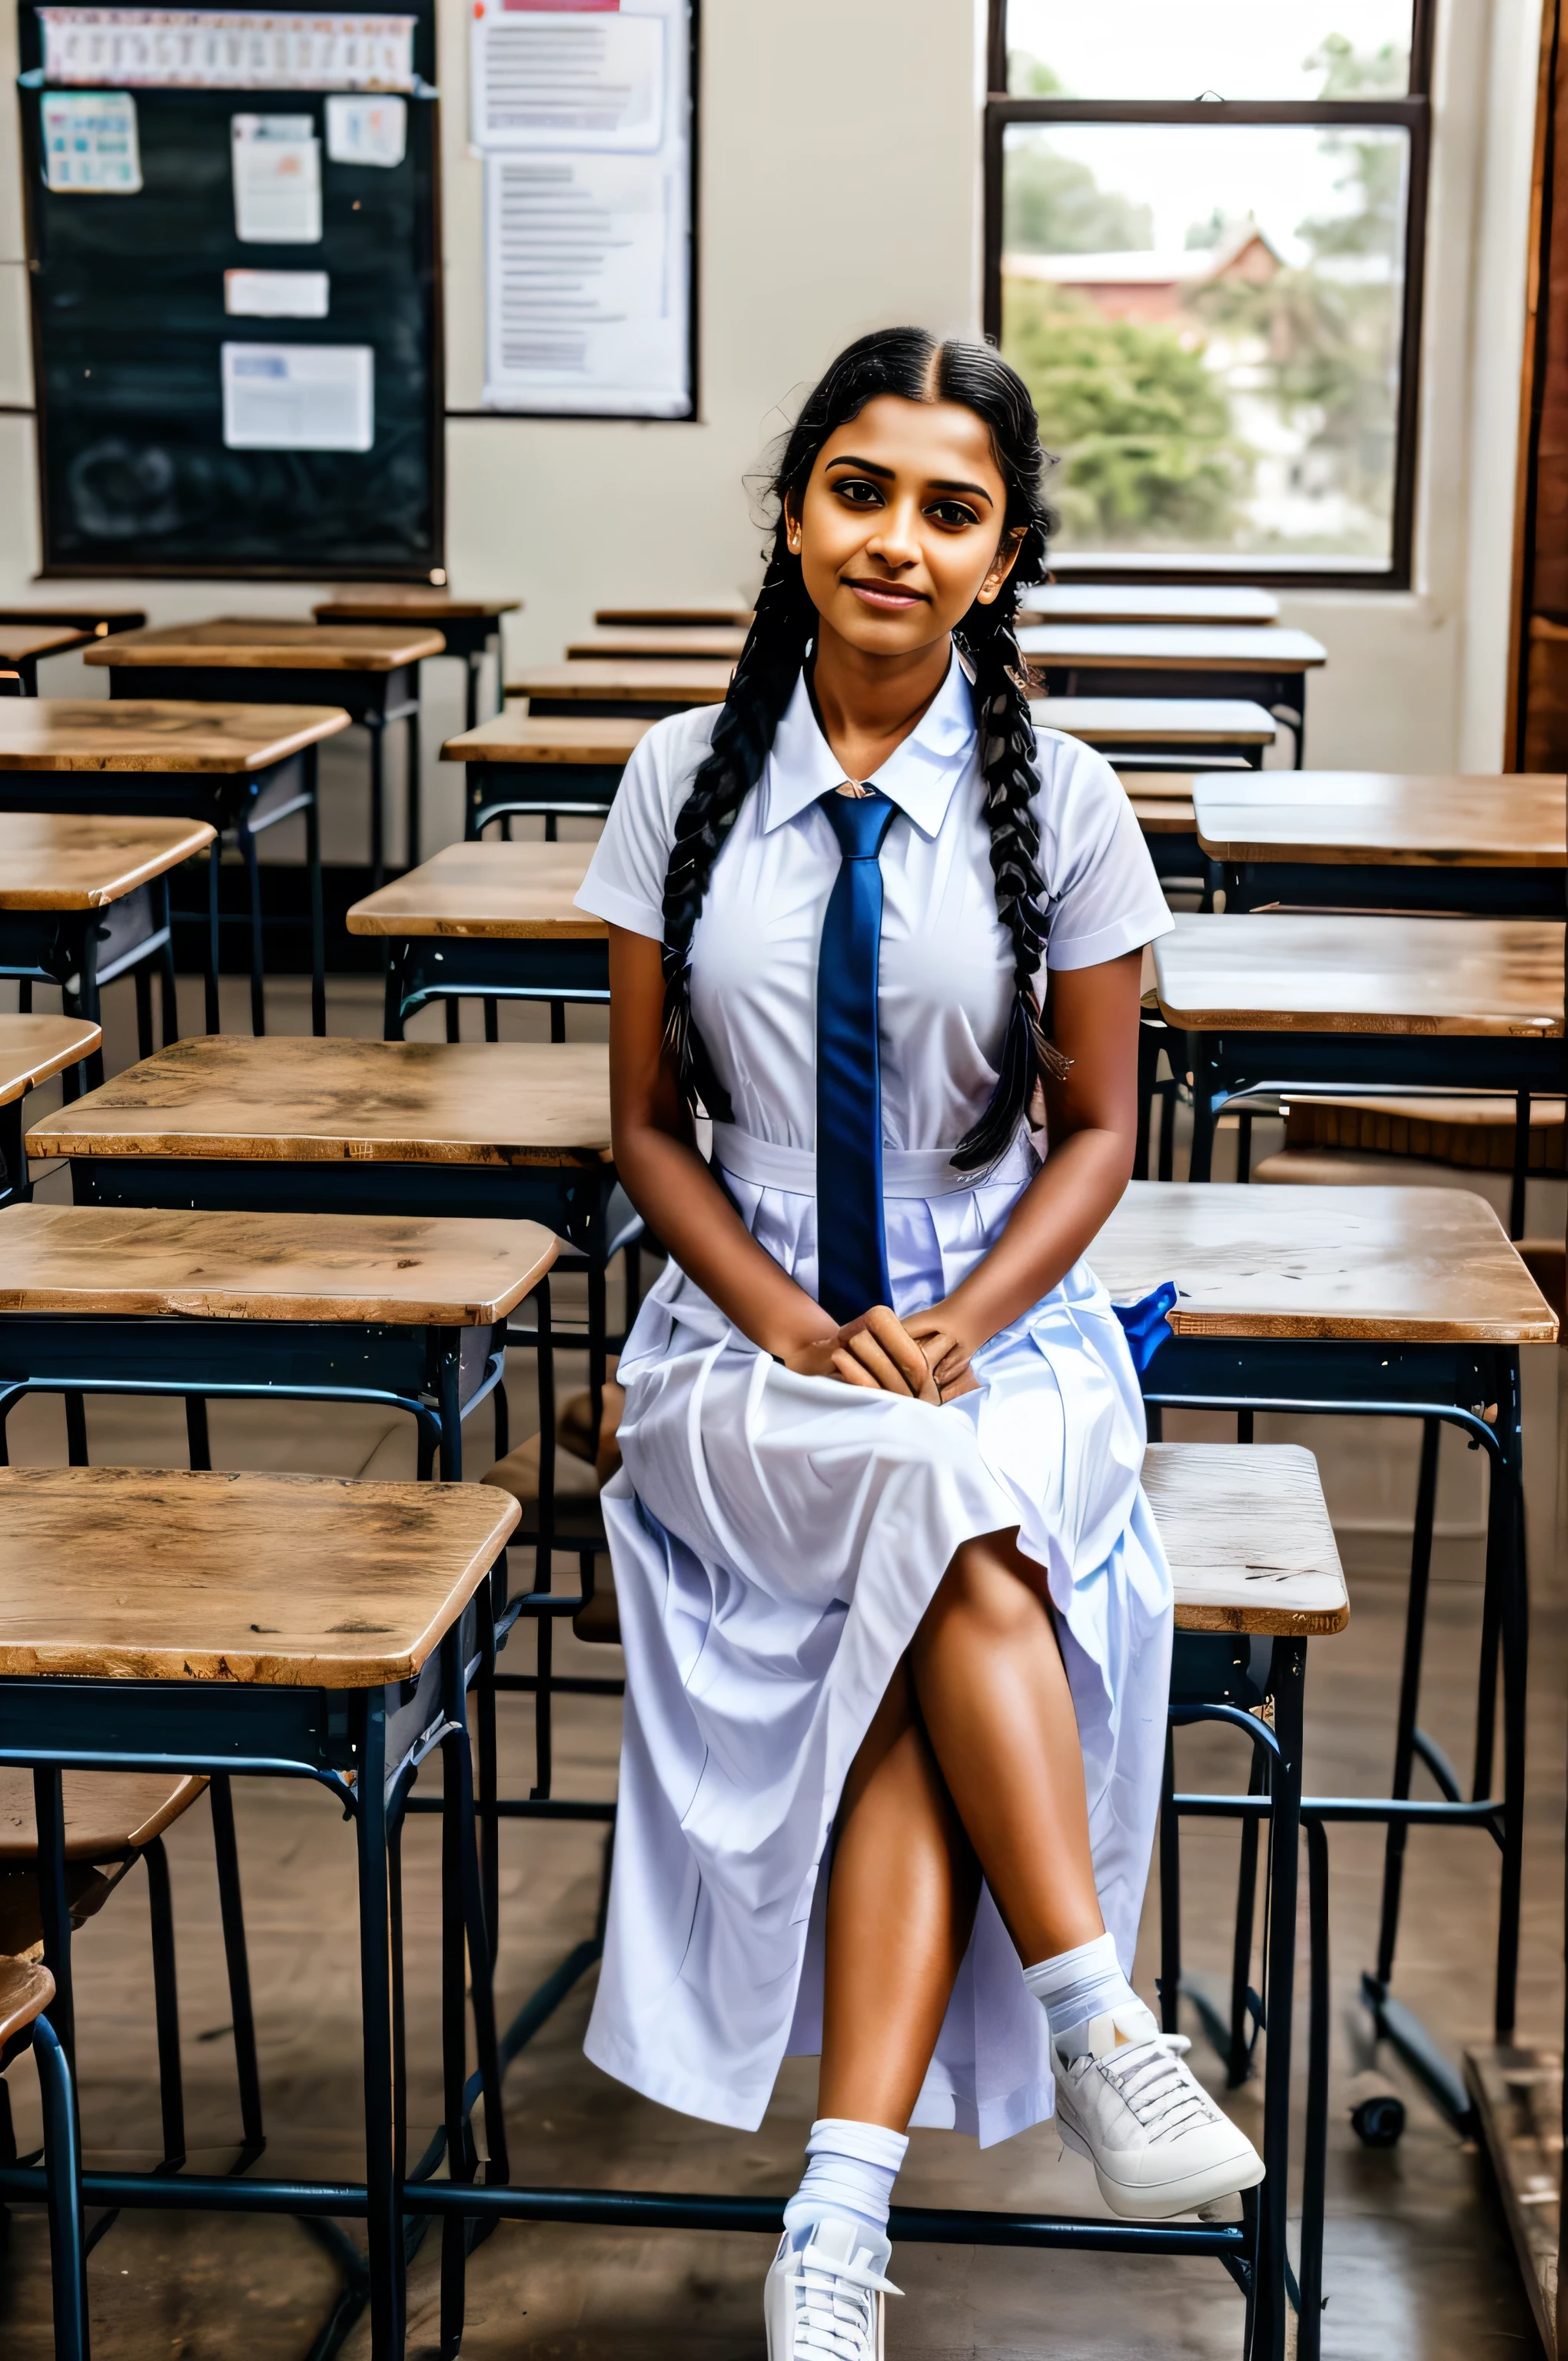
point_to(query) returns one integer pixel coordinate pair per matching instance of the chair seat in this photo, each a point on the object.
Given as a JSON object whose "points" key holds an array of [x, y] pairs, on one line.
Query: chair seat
{"points": [[110, 1815], [1476, 1134], [25, 1991], [578, 1517]]}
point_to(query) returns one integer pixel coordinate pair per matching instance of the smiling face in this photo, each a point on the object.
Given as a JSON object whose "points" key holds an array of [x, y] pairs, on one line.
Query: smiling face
{"points": [[900, 528]]}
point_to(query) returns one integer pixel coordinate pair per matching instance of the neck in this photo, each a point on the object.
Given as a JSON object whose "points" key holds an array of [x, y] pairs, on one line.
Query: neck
{"points": [[868, 704]]}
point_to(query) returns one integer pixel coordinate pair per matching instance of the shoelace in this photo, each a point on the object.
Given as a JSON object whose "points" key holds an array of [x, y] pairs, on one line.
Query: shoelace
{"points": [[835, 2307], [1159, 2089]]}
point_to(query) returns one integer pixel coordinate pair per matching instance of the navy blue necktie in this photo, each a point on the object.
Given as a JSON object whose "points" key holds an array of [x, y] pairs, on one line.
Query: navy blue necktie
{"points": [[851, 1246]]}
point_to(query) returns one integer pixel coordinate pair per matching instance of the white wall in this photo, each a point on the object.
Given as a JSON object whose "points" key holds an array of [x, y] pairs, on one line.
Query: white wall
{"points": [[841, 189]]}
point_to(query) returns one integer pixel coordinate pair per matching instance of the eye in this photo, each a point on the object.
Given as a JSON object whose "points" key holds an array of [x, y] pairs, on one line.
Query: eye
{"points": [[952, 513], [859, 492]]}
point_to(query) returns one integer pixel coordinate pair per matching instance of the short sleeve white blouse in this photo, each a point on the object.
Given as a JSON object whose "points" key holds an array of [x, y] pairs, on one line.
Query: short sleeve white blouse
{"points": [[946, 970]]}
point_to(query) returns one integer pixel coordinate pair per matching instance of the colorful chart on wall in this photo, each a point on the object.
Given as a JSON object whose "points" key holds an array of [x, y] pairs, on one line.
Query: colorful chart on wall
{"points": [[235, 290], [584, 116]]}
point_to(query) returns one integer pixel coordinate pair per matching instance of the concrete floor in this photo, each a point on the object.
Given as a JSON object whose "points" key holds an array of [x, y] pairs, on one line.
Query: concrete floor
{"points": [[1419, 2264]]}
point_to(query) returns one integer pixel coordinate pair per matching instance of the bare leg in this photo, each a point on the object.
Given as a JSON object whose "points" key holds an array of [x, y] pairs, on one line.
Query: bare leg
{"points": [[996, 1708], [902, 1903]]}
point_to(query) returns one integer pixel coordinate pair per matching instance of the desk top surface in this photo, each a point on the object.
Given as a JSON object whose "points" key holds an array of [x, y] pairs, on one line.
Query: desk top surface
{"points": [[1156, 720], [678, 618], [282, 1581], [1291, 974], [517, 890], [19, 641], [297, 1100], [258, 643], [658, 642], [1407, 1265], [1173, 647], [145, 733], [640, 680], [82, 861], [1518, 820], [390, 602], [212, 1265], [1246, 1530], [34, 1048], [1134, 602], [515, 736]]}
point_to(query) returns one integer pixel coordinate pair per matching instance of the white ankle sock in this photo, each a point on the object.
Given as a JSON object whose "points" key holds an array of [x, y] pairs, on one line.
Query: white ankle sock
{"points": [[849, 2174], [1078, 1987]]}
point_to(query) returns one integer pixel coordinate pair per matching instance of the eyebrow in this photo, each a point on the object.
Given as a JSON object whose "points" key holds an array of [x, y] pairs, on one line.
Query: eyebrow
{"points": [[870, 468]]}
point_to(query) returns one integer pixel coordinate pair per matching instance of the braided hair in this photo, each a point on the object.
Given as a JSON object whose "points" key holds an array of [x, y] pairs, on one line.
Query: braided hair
{"points": [[911, 364]]}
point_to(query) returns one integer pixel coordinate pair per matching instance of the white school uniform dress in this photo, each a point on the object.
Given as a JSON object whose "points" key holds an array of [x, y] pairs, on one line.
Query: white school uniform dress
{"points": [[776, 1538]]}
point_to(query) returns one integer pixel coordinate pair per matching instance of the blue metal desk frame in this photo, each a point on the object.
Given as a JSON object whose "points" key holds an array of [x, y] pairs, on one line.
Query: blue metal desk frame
{"points": [[1282, 693], [555, 791], [79, 951], [1458, 889], [241, 804]]}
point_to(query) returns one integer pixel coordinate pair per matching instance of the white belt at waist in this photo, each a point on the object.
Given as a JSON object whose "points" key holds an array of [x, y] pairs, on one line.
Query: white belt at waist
{"points": [[905, 1172]]}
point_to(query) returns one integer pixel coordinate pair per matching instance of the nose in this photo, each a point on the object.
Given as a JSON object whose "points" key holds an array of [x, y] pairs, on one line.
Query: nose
{"points": [[895, 540]]}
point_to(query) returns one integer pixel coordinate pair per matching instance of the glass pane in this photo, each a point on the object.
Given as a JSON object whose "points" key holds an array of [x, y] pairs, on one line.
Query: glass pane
{"points": [[1209, 49], [1209, 320]]}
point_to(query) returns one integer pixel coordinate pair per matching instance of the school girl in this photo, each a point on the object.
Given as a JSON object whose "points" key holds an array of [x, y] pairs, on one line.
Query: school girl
{"points": [[895, 1614]]}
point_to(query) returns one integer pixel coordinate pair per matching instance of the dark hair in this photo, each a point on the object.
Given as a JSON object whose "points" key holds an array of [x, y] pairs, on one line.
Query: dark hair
{"points": [[911, 364]]}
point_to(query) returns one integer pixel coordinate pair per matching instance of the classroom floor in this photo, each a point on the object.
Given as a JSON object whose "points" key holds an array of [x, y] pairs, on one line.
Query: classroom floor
{"points": [[1419, 2263]]}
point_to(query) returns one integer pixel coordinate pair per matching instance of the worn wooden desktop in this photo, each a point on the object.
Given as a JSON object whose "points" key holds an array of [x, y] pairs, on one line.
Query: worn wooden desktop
{"points": [[31, 1050], [1438, 842], [241, 768], [1267, 662], [22, 645], [1150, 732], [84, 899], [660, 643], [491, 922], [1144, 602], [564, 766], [470, 627], [628, 686], [371, 670], [1248, 1538]]}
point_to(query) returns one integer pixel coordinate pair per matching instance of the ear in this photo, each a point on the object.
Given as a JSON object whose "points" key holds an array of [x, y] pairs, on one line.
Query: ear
{"points": [[792, 525], [1002, 565]]}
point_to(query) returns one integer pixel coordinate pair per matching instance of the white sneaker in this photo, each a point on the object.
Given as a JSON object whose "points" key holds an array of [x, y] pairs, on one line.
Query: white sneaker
{"points": [[823, 2302], [1158, 2144]]}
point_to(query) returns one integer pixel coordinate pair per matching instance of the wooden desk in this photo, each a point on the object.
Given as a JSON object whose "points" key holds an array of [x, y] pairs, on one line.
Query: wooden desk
{"points": [[1144, 602], [1268, 663], [678, 618], [1362, 1004], [22, 644], [247, 1625], [31, 1050], [60, 872], [1247, 1537], [1380, 840], [661, 643], [626, 686], [1153, 731], [371, 670], [239, 768], [565, 767], [329, 1306], [95, 617], [470, 627], [504, 918]]}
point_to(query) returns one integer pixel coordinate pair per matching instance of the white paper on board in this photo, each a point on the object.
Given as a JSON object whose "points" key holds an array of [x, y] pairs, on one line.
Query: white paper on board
{"points": [[567, 78], [277, 162], [275, 294], [90, 143], [299, 397], [367, 131], [227, 48]]}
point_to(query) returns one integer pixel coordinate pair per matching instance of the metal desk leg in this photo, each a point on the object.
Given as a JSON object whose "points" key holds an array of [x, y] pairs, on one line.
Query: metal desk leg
{"points": [[1205, 1107], [1515, 1647], [49, 1818], [411, 851], [168, 993], [258, 965], [1288, 1682], [1310, 2325], [1521, 1166], [231, 1910], [62, 2160], [1170, 1977], [214, 1015], [375, 725], [17, 1187], [313, 867], [1410, 1695], [383, 2193]]}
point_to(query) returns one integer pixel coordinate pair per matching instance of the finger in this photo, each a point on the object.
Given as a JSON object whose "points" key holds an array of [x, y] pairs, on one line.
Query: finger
{"points": [[967, 1384], [850, 1372], [897, 1343], [885, 1372]]}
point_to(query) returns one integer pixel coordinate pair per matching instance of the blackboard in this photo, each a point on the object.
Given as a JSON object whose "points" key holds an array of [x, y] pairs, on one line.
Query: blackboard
{"points": [[129, 325]]}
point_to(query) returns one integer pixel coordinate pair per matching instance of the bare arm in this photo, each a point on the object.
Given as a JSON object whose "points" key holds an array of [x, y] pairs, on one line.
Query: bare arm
{"points": [[671, 1188], [1093, 1122]]}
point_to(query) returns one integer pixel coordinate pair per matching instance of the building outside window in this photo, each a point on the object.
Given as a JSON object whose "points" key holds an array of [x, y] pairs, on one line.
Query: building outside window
{"points": [[1203, 247]]}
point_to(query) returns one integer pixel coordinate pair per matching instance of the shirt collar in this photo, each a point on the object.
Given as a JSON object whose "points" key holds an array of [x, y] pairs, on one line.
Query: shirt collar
{"points": [[919, 775]]}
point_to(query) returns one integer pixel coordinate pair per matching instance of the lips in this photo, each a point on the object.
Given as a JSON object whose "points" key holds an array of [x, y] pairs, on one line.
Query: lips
{"points": [[885, 597]]}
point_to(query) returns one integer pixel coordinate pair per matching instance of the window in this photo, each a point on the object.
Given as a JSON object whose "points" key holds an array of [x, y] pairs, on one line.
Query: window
{"points": [[1204, 230]]}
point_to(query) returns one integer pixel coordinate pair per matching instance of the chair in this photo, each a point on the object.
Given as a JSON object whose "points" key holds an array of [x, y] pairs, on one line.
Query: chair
{"points": [[25, 1991]]}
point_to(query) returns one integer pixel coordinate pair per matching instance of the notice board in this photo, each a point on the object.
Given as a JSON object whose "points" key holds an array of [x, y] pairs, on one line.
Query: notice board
{"points": [[232, 231]]}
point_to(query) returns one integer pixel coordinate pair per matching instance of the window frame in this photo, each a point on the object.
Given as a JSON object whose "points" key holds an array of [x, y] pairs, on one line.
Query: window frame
{"points": [[1411, 114]]}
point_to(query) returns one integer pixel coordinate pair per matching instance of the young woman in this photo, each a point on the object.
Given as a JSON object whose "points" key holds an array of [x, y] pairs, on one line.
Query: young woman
{"points": [[896, 1619]]}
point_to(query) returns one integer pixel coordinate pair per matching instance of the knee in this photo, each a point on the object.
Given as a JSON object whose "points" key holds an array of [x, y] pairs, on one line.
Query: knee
{"points": [[984, 1587]]}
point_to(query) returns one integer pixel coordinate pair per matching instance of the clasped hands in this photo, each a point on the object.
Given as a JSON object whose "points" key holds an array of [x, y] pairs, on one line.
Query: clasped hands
{"points": [[924, 1355]]}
